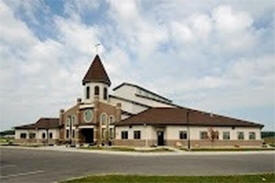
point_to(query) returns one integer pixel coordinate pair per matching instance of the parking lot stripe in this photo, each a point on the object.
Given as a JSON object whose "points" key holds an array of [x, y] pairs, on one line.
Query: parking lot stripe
{"points": [[22, 174]]}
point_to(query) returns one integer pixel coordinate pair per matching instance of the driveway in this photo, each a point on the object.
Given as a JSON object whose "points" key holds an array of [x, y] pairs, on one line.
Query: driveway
{"points": [[32, 166]]}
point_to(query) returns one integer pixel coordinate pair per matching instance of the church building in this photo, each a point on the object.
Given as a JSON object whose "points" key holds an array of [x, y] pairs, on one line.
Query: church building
{"points": [[131, 115]]}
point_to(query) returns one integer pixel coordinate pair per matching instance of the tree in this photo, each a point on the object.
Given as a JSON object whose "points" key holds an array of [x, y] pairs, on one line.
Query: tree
{"points": [[213, 135]]}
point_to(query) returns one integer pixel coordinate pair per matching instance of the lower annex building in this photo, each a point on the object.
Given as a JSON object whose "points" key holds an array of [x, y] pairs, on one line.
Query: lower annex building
{"points": [[135, 116]]}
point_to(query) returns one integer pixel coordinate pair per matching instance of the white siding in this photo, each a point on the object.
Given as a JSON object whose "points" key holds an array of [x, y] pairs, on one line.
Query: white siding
{"points": [[128, 106]]}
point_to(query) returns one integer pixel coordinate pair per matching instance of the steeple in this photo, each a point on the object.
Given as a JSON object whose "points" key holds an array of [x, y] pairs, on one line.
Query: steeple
{"points": [[96, 73]]}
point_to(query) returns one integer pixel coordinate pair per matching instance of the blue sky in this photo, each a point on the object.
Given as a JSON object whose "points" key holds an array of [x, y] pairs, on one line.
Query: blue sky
{"points": [[210, 55]]}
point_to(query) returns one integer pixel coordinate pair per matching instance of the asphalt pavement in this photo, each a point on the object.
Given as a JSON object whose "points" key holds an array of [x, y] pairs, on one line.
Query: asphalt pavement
{"points": [[42, 166]]}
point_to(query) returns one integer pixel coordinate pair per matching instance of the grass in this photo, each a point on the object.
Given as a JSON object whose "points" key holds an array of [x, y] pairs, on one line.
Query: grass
{"points": [[127, 149], [233, 149], [4, 140], [269, 140], [174, 179]]}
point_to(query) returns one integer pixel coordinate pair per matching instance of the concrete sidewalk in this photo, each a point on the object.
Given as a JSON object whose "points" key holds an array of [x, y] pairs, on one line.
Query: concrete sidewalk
{"points": [[175, 153]]}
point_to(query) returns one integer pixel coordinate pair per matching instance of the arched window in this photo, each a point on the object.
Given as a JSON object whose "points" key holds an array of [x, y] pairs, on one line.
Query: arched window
{"points": [[105, 94], [87, 92], [96, 90], [73, 119], [103, 119]]}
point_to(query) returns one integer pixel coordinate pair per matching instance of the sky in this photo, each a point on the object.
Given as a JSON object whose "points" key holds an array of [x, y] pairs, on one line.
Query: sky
{"points": [[216, 56]]}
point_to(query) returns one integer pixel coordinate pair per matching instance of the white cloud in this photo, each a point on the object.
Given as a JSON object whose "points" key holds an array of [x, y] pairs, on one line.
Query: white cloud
{"points": [[229, 21], [205, 55]]}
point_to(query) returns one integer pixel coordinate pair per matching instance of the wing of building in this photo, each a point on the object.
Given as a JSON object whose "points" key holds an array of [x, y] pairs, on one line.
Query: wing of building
{"points": [[131, 115]]}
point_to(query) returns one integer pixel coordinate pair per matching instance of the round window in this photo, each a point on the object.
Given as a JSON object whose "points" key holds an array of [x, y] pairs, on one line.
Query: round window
{"points": [[88, 115]]}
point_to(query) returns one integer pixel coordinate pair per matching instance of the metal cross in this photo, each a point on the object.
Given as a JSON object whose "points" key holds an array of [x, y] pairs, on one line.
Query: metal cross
{"points": [[96, 47]]}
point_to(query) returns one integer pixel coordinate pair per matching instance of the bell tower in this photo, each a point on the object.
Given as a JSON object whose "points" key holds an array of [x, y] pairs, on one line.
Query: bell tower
{"points": [[96, 82]]}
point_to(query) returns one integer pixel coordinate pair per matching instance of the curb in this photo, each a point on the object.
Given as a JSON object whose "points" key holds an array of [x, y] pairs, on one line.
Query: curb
{"points": [[177, 153]]}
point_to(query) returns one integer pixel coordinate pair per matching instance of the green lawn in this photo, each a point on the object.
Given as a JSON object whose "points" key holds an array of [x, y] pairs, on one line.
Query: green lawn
{"points": [[174, 179], [4, 140], [234, 149]]}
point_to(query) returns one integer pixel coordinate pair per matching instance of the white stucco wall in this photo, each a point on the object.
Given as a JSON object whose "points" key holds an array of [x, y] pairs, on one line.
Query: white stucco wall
{"points": [[125, 91], [172, 132], [92, 91], [128, 106], [38, 133], [129, 92], [147, 132]]}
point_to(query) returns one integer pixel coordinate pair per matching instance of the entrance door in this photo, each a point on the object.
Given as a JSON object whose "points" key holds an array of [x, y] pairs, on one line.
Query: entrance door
{"points": [[160, 135], [88, 135]]}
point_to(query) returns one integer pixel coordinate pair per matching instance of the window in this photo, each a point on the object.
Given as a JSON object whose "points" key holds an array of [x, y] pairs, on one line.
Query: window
{"points": [[73, 135], [73, 119], [204, 135], [87, 92], [43, 135], [88, 115], [68, 121], [32, 135], [137, 134], [50, 135], [112, 119], [23, 135], [105, 94], [252, 135], [226, 135], [96, 90], [103, 119], [124, 135], [183, 135], [111, 133], [67, 134], [103, 133], [241, 135]]}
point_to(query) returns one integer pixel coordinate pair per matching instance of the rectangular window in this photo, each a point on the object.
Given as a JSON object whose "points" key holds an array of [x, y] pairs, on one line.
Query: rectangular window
{"points": [[32, 135], [87, 92], [226, 135], [124, 135], [204, 135], [23, 135], [252, 135], [182, 134], [137, 134], [105, 93], [241, 135], [67, 134]]}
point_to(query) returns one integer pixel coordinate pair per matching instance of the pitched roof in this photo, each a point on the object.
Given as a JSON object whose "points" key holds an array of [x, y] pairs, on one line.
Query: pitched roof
{"points": [[141, 88], [178, 116], [96, 73], [42, 123]]}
